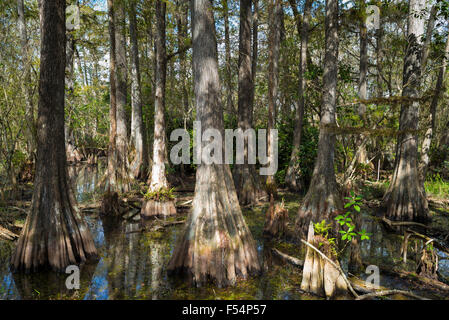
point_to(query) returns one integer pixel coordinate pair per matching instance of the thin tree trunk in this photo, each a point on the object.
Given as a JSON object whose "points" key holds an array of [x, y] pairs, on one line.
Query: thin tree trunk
{"points": [[140, 164], [323, 198], [112, 154], [158, 182], [245, 177], [428, 39], [228, 77], [216, 243], [274, 39], [54, 235], [158, 176], [121, 98], [26, 83], [363, 73], [405, 198], [291, 178], [255, 48], [439, 88]]}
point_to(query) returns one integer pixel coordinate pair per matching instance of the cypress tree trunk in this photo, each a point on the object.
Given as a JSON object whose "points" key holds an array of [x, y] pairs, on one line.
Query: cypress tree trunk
{"points": [[274, 39], [140, 163], [291, 178], [54, 235], [245, 176], [228, 74], [216, 243], [158, 181], [363, 73], [112, 156], [405, 198], [121, 75], [26, 65], [323, 199], [439, 88]]}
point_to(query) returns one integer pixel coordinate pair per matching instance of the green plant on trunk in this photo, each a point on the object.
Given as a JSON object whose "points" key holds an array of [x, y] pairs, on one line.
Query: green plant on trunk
{"points": [[348, 231]]}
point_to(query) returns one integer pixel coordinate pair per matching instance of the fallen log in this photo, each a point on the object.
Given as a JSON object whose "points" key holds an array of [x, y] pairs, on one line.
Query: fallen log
{"points": [[289, 259], [8, 235]]}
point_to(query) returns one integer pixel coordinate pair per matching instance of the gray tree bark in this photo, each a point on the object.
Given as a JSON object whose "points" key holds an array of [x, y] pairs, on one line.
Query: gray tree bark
{"points": [[274, 40], [216, 243], [54, 235], [26, 83], [158, 176], [323, 199], [245, 176], [121, 75], [292, 178], [405, 198], [139, 165], [112, 155], [439, 88]]}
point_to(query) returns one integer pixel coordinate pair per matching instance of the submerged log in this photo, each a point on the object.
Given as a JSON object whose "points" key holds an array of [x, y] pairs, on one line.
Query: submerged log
{"points": [[154, 208], [319, 275], [276, 219]]}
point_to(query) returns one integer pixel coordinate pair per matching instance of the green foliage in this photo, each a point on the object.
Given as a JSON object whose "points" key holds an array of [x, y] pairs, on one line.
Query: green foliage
{"points": [[348, 231], [163, 194]]}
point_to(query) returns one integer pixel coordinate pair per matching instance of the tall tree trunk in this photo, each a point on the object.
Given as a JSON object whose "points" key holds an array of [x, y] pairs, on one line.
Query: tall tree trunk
{"points": [[182, 18], [245, 177], [216, 243], [140, 164], [439, 88], [228, 75], [405, 198], [428, 39], [121, 75], [323, 199], [292, 178], [26, 83], [274, 39], [158, 182], [112, 153], [363, 73], [54, 235], [158, 176], [255, 48]]}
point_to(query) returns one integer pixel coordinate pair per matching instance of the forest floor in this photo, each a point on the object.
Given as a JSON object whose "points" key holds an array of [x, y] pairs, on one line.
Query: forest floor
{"points": [[147, 249]]}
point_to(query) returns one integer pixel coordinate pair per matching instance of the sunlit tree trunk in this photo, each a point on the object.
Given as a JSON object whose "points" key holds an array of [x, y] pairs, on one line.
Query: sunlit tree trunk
{"points": [[323, 198], [363, 73], [405, 198], [140, 164], [158, 181], [54, 235], [245, 177], [439, 88], [274, 42], [112, 156], [291, 178], [216, 243], [121, 75]]}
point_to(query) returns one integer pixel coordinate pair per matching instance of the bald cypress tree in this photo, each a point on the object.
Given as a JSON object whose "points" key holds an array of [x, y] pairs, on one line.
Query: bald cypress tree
{"points": [[216, 243], [54, 235]]}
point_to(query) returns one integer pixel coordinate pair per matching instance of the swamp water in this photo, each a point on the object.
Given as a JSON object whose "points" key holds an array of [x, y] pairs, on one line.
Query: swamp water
{"points": [[132, 263]]}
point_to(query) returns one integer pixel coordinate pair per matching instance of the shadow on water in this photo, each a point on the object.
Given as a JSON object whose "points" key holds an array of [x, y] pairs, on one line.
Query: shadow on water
{"points": [[133, 264]]}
